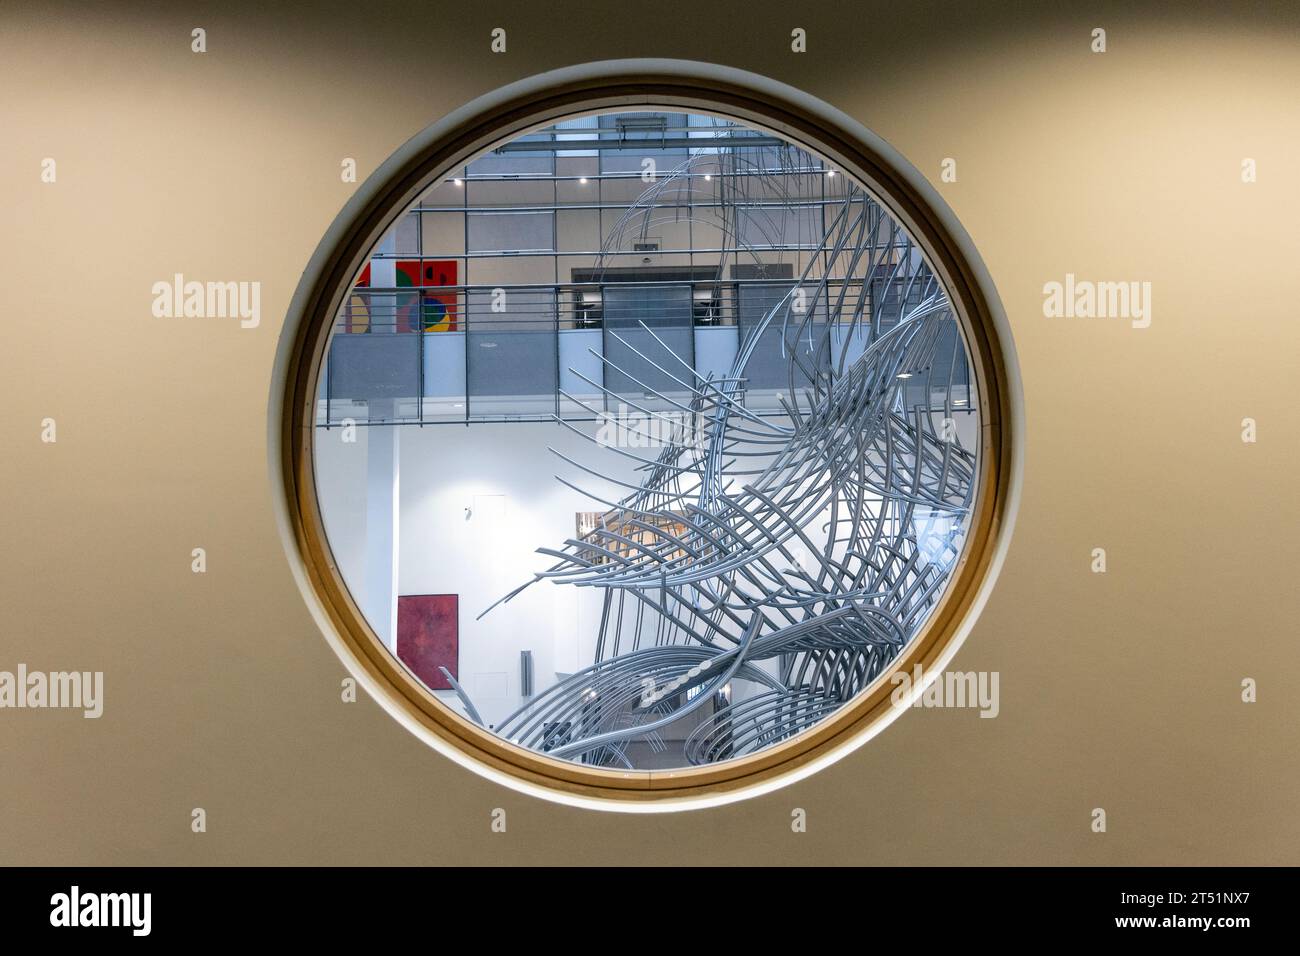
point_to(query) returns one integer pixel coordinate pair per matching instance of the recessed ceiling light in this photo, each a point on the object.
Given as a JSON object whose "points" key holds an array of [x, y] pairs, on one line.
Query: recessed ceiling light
{"points": [[582, 181], [708, 178], [830, 173], [458, 182]]}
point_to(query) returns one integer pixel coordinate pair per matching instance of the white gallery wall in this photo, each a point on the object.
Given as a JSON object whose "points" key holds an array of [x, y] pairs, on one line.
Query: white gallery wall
{"points": [[475, 503]]}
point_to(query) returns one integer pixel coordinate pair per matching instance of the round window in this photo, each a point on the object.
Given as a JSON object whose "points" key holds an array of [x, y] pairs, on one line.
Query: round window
{"points": [[638, 432]]}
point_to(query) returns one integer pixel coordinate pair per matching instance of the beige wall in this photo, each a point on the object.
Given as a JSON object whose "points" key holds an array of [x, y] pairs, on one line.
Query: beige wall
{"points": [[1118, 691]]}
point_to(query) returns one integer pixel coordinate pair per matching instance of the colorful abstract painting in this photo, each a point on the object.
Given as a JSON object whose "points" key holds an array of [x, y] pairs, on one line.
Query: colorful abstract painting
{"points": [[428, 636], [430, 311], [357, 317]]}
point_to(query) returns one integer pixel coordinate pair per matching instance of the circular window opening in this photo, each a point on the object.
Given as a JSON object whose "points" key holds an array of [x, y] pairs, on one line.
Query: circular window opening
{"points": [[640, 443]]}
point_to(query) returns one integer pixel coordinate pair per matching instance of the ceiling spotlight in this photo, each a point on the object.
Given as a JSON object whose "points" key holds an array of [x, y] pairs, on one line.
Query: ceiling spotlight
{"points": [[708, 178], [458, 182], [582, 181], [830, 174]]}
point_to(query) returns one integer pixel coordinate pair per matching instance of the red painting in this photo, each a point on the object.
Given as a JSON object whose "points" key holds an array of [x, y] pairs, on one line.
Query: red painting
{"points": [[428, 636], [435, 312]]}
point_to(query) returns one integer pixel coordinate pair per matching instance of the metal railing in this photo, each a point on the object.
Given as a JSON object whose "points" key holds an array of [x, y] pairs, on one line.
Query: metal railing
{"points": [[574, 350]]}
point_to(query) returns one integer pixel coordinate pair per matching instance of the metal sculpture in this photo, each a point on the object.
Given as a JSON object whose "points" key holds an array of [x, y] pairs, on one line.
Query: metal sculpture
{"points": [[797, 548]]}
